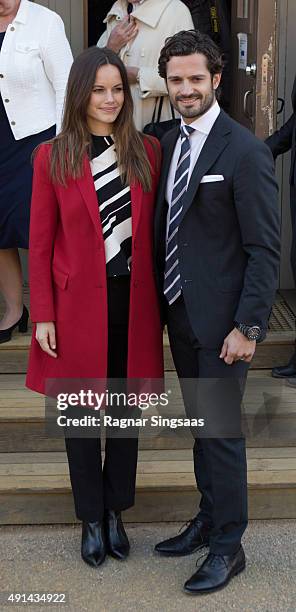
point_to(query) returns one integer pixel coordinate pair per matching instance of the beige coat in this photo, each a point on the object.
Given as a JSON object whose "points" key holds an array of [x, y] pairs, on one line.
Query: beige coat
{"points": [[156, 20]]}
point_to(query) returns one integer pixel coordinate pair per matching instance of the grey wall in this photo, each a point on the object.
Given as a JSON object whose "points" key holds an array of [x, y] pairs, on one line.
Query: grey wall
{"points": [[73, 17]]}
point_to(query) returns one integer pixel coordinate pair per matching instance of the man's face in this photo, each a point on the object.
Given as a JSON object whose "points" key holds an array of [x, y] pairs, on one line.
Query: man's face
{"points": [[191, 86]]}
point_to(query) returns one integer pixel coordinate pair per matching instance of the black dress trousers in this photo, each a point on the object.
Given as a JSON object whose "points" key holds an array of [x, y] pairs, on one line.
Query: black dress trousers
{"points": [[219, 463], [293, 221], [96, 487]]}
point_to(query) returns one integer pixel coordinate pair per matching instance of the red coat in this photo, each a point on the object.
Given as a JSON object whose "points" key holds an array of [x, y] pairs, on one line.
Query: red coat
{"points": [[68, 279]]}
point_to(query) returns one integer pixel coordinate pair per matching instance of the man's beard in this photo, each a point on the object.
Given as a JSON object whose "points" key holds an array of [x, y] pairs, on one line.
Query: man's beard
{"points": [[205, 105]]}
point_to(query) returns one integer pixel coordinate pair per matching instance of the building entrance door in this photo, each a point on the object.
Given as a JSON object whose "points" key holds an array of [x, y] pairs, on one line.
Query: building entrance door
{"points": [[254, 48]]}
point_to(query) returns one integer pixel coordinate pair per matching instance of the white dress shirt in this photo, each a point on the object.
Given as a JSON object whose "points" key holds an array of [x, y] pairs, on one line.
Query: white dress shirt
{"points": [[202, 127], [35, 62]]}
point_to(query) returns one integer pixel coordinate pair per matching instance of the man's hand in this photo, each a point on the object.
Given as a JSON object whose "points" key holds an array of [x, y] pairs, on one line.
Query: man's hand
{"points": [[237, 347], [46, 336], [132, 73], [123, 33]]}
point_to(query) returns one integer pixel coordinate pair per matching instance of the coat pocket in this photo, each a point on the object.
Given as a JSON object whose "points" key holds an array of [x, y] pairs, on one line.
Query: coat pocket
{"points": [[60, 278], [27, 47]]}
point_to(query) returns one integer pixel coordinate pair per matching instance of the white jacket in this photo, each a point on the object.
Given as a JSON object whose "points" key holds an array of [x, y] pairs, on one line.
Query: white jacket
{"points": [[156, 20], [35, 61]]}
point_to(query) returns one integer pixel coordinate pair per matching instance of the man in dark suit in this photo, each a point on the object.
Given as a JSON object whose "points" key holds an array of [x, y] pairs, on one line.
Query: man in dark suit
{"points": [[217, 256], [280, 142]]}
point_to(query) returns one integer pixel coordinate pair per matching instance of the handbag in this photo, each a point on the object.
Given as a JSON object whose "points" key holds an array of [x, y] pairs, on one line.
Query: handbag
{"points": [[158, 128]]}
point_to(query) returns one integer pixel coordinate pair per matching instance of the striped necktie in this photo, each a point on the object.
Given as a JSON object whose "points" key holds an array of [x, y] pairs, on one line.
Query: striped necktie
{"points": [[172, 279]]}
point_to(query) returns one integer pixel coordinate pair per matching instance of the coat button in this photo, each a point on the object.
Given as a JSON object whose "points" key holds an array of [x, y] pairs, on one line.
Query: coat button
{"points": [[1, 76], [6, 100], [12, 29], [185, 244], [12, 122]]}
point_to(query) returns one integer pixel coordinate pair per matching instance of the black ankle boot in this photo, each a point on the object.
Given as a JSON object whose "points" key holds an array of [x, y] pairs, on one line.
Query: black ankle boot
{"points": [[93, 543], [116, 538], [22, 324]]}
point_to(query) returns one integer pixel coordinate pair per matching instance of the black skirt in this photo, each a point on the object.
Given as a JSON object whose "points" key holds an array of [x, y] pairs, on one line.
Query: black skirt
{"points": [[16, 172]]}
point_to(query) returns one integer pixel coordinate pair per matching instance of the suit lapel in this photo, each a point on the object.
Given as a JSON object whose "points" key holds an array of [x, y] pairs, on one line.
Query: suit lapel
{"points": [[216, 142], [168, 150], [167, 158], [136, 206], [86, 187]]}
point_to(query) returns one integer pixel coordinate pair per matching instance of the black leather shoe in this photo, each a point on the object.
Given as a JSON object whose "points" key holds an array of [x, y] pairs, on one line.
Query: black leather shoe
{"points": [[22, 324], [287, 371], [117, 541], [215, 572], [193, 538], [93, 543]]}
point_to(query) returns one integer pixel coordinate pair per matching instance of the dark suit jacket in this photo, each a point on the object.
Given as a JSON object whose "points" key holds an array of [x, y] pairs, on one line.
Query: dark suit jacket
{"points": [[284, 140], [229, 233]]}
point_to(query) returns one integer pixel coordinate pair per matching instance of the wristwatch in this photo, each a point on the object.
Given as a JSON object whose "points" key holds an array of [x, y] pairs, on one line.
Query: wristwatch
{"points": [[252, 332]]}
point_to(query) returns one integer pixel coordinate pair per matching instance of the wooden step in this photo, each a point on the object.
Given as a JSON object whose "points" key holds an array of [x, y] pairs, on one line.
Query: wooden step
{"points": [[35, 487], [270, 405], [276, 350]]}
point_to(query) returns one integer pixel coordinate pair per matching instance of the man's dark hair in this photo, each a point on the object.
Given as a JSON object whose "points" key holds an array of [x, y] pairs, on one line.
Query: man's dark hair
{"points": [[188, 42]]}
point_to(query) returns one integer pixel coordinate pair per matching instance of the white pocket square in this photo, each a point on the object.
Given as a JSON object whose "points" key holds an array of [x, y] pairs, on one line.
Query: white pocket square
{"points": [[212, 178]]}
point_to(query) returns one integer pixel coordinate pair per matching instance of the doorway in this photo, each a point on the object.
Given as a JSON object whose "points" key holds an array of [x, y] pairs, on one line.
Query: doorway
{"points": [[97, 11]]}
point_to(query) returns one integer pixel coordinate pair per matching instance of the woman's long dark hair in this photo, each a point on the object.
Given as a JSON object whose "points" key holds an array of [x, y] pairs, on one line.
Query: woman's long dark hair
{"points": [[69, 147]]}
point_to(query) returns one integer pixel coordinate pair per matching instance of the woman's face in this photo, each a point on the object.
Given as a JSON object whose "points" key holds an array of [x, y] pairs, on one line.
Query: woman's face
{"points": [[9, 7], [106, 100]]}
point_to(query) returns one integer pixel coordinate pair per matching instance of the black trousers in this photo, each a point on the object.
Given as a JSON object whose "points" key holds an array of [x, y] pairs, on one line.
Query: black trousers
{"points": [[293, 244], [293, 221], [219, 463], [96, 487]]}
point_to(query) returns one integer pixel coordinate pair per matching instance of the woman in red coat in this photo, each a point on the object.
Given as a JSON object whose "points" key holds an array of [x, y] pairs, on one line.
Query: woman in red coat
{"points": [[93, 295]]}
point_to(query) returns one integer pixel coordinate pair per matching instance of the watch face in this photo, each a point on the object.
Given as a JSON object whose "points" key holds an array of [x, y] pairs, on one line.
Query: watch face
{"points": [[254, 333]]}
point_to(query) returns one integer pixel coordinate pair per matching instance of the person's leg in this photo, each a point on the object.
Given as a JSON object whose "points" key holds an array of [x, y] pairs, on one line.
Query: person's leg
{"points": [[225, 457], [293, 223], [289, 370], [85, 466], [11, 286], [185, 356], [121, 452]]}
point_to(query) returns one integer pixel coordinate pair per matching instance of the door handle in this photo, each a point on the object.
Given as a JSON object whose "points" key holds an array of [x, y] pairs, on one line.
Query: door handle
{"points": [[246, 112], [251, 70], [281, 104]]}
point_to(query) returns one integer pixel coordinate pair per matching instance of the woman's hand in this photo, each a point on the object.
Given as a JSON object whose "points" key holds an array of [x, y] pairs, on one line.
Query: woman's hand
{"points": [[46, 336], [123, 33]]}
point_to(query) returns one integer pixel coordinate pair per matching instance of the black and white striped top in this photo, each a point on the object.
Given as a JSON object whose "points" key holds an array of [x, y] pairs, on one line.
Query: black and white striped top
{"points": [[114, 201]]}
